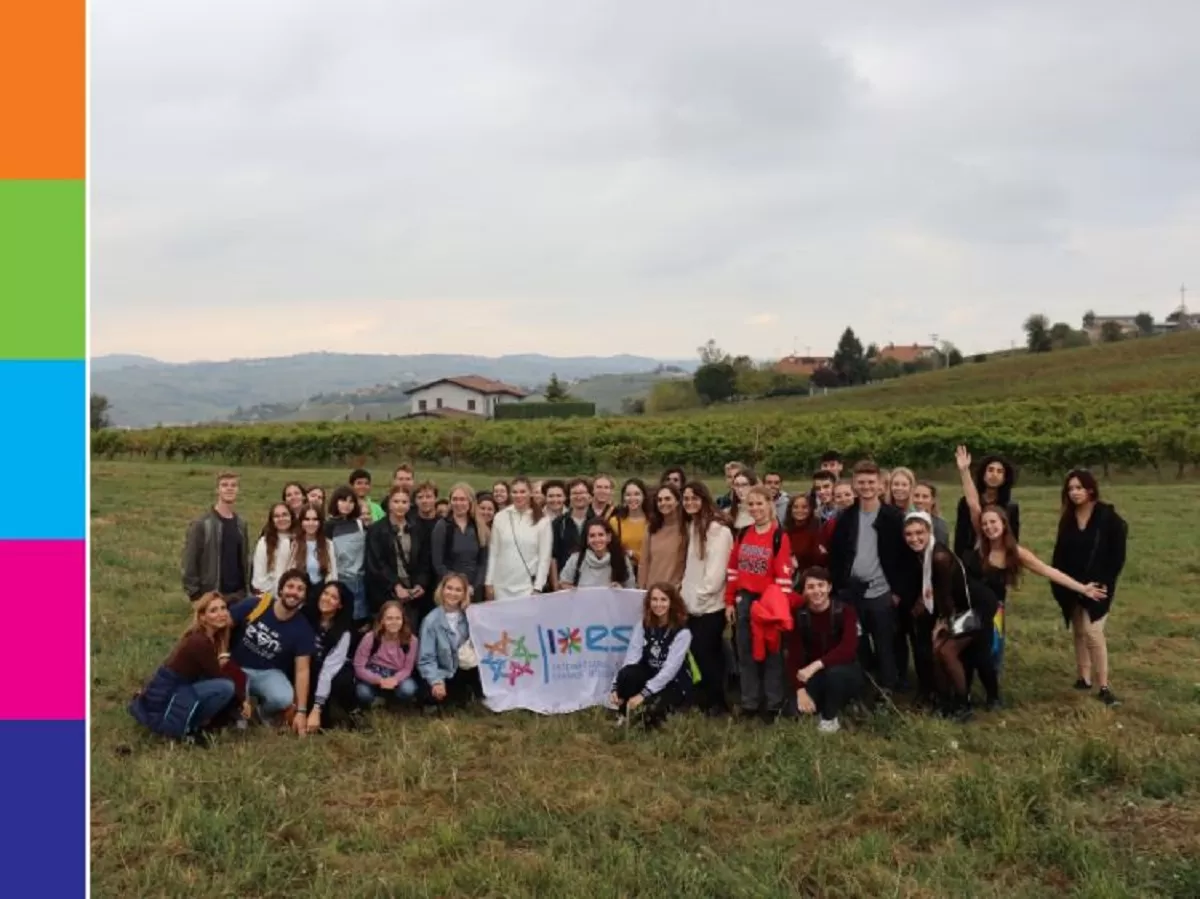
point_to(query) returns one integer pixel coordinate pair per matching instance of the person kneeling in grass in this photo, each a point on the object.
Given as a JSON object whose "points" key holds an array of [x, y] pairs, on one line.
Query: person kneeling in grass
{"points": [[191, 689], [447, 661], [657, 673], [331, 694], [272, 639], [386, 658], [824, 652]]}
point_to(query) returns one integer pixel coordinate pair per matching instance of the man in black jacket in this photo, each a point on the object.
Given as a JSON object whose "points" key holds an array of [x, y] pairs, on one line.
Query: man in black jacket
{"points": [[570, 528], [866, 557], [216, 551]]}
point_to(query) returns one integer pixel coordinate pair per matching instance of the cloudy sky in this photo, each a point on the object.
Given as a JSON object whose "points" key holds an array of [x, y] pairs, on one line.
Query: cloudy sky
{"points": [[599, 176]]}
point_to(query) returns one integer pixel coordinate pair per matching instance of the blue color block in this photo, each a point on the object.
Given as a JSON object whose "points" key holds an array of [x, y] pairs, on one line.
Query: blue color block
{"points": [[44, 848], [43, 453]]}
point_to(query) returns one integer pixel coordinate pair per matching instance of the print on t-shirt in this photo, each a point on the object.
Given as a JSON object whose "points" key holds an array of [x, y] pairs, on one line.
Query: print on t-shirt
{"points": [[269, 642], [754, 559]]}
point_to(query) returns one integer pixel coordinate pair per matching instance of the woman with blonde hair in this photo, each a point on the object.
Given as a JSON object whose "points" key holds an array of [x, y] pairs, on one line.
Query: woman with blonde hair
{"points": [[460, 540], [447, 662], [192, 687], [900, 488]]}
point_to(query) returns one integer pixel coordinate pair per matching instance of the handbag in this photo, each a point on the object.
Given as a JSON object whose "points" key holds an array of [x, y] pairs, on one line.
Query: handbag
{"points": [[965, 623], [467, 657]]}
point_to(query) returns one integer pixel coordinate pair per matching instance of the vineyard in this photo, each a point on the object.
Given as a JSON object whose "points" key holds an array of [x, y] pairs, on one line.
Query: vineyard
{"points": [[1128, 405], [1161, 430]]}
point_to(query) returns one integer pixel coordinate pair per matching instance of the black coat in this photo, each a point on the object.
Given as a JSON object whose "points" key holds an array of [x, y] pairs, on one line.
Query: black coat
{"points": [[889, 525], [382, 574], [1101, 560], [567, 537]]}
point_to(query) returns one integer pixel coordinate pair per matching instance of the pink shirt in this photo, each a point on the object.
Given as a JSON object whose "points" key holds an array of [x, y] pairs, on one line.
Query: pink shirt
{"points": [[389, 654]]}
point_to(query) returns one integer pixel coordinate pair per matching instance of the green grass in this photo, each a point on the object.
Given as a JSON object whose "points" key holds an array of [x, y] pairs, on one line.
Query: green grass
{"points": [[1141, 366], [1056, 795]]}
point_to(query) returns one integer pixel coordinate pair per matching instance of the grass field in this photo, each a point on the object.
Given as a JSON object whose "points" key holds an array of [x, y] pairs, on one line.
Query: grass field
{"points": [[1054, 796]]}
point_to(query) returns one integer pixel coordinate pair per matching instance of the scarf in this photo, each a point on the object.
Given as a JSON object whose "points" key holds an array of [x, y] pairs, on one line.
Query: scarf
{"points": [[926, 558]]}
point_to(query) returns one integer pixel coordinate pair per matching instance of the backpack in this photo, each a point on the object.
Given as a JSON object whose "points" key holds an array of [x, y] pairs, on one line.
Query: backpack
{"points": [[776, 538], [264, 603]]}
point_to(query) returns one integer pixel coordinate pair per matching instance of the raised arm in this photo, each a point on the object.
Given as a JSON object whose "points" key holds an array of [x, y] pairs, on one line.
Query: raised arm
{"points": [[970, 492], [1037, 566]]}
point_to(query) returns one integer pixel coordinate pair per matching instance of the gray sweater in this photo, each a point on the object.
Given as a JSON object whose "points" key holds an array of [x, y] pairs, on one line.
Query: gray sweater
{"points": [[597, 572]]}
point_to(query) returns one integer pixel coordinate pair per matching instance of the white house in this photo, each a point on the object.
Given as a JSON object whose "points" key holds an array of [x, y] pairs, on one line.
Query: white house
{"points": [[462, 395]]}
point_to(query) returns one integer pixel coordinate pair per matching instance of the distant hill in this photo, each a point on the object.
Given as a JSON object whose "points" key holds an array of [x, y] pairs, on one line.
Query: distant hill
{"points": [[311, 386], [1141, 365]]}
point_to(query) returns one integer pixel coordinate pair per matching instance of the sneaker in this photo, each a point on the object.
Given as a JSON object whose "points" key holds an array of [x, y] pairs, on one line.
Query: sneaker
{"points": [[241, 724], [198, 741], [828, 726], [619, 721], [1082, 685], [1106, 696], [994, 704]]}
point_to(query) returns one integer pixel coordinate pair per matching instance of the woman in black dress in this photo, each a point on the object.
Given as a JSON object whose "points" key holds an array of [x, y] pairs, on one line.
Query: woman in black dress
{"points": [[997, 561], [1090, 547]]}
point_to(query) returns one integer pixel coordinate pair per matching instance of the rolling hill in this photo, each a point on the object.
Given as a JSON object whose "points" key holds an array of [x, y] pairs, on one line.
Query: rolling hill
{"points": [[144, 392]]}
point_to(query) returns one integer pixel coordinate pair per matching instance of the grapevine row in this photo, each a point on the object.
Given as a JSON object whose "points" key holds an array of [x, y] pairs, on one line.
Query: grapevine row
{"points": [[1161, 430]]}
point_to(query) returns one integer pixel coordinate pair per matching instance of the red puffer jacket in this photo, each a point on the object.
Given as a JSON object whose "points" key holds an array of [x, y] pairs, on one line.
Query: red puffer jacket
{"points": [[770, 617]]}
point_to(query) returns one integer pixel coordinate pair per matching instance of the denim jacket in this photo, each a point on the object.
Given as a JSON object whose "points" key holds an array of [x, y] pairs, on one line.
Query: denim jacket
{"points": [[438, 661]]}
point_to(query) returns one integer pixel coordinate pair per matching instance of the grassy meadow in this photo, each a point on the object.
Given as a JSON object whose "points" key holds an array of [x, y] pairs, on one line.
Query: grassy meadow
{"points": [[1056, 795]]}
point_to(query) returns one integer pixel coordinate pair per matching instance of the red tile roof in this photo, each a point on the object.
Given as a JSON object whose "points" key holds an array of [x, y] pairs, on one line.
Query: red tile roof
{"points": [[903, 354], [476, 383], [801, 365]]}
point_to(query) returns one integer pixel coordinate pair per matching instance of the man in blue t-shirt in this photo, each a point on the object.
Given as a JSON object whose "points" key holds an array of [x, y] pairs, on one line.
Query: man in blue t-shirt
{"points": [[272, 639]]}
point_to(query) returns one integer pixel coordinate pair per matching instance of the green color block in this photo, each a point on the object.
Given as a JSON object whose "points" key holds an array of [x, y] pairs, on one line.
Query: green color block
{"points": [[43, 240]]}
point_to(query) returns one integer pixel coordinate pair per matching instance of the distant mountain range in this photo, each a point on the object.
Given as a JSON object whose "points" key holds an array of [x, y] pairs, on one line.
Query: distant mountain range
{"points": [[312, 386]]}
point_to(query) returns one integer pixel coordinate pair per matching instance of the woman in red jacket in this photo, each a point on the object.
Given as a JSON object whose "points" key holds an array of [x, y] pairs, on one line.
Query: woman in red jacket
{"points": [[761, 556]]}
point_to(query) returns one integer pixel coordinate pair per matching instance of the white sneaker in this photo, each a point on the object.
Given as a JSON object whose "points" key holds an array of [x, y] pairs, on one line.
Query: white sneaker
{"points": [[619, 721], [828, 726]]}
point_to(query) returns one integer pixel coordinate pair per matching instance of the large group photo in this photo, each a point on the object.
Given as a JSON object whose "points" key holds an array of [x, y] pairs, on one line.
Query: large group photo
{"points": [[594, 449]]}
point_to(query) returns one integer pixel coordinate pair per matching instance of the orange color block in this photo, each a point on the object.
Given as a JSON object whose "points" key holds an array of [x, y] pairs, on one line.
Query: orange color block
{"points": [[43, 89]]}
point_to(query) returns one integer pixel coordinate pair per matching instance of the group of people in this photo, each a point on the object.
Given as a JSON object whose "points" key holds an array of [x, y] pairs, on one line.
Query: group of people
{"points": [[807, 602]]}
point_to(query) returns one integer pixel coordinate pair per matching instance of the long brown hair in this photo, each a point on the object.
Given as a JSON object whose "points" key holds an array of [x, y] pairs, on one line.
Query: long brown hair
{"points": [[794, 528], [535, 505], [270, 533], [1088, 482], [300, 547], [706, 516], [221, 638], [1008, 544], [677, 614], [406, 633]]}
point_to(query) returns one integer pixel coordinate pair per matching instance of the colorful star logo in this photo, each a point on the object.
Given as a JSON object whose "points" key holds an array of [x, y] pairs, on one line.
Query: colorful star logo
{"points": [[569, 640]]}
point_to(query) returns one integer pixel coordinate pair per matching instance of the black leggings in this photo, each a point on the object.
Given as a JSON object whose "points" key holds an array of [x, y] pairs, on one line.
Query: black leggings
{"points": [[708, 649], [632, 680], [917, 633]]}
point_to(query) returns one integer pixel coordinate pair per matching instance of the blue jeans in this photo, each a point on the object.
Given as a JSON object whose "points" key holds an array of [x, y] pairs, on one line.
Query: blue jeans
{"points": [[405, 691], [270, 688], [362, 611], [214, 695]]}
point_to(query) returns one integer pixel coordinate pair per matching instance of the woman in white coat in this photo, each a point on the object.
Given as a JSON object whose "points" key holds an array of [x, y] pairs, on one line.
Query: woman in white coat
{"points": [[273, 552], [709, 543], [521, 547]]}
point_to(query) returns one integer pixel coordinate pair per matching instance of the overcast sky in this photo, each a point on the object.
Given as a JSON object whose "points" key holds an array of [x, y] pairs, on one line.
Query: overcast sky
{"points": [[597, 176]]}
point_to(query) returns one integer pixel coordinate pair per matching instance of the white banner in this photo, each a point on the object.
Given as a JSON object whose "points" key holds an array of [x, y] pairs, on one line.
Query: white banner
{"points": [[553, 653]]}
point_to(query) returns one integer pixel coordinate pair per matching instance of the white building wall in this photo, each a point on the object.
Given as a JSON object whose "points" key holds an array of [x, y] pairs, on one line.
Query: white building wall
{"points": [[454, 397]]}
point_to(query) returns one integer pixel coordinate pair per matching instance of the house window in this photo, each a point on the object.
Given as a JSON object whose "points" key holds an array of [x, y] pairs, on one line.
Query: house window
{"points": [[439, 402], [470, 405], [422, 405]]}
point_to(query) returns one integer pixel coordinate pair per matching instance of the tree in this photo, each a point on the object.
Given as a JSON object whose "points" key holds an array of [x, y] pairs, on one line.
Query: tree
{"points": [[711, 354], [1111, 332], [884, 370], [824, 377], [100, 410], [849, 360], [672, 396], [715, 382], [1059, 332], [1037, 334], [752, 381], [953, 356], [1089, 319], [633, 406], [1145, 323], [555, 392]]}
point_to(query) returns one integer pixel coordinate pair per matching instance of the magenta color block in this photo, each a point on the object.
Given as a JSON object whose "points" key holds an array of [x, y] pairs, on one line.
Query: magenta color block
{"points": [[44, 599]]}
